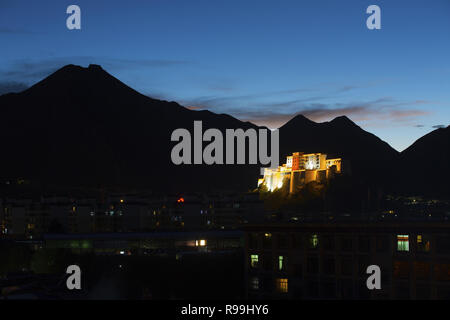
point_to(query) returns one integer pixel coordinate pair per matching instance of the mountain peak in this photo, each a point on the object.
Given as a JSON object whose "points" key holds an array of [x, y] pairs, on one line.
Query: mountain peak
{"points": [[343, 121], [95, 67], [299, 119], [342, 118], [76, 69], [74, 81]]}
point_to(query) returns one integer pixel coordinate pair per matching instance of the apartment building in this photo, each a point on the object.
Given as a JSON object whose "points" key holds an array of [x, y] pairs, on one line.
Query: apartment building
{"points": [[329, 261]]}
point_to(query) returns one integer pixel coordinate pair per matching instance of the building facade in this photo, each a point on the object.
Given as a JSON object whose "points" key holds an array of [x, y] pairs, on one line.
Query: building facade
{"points": [[301, 169], [329, 261]]}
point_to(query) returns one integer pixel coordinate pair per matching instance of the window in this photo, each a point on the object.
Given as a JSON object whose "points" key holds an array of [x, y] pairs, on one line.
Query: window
{"points": [[442, 272], [363, 262], [298, 270], [363, 244], [422, 270], [346, 244], [282, 241], [328, 243], [200, 243], [254, 283], [328, 265], [267, 242], [402, 242], [282, 285], [382, 244], [312, 265], [401, 269], [423, 243], [267, 262], [297, 241], [254, 259], [253, 241], [443, 244], [280, 263], [347, 266], [314, 241]]}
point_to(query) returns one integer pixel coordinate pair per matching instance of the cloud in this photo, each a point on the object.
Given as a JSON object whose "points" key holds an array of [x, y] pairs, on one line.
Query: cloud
{"points": [[290, 100], [7, 87], [194, 107], [151, 63], [229, 103], [379, 110], [31, 71], [419, 126], [348, 88], [438, 126]]}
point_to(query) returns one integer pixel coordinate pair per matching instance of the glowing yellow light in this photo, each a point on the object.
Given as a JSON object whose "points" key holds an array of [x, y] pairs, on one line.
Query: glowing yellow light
{"points": [[200, 243], [282, 285], [121, 200]]}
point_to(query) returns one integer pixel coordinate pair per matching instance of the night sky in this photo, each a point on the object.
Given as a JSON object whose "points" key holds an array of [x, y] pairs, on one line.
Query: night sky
{"points": [[262, 61]]}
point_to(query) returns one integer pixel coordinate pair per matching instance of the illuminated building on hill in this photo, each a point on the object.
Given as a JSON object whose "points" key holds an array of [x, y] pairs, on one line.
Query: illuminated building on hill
{"points": [[299, 169]]}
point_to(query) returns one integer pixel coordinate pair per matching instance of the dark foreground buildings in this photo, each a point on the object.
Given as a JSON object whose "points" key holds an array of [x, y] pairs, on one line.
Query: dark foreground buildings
{"points": [[290, 258], [329, 261]]}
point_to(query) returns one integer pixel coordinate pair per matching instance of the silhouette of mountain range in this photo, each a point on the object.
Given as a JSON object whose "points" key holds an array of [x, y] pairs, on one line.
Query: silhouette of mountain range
{"points": [[366, 155], [425, 164], [83, 127]]}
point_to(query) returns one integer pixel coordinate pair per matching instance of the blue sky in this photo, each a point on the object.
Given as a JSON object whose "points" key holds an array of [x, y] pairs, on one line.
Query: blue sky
{"points": [[262, 61]]}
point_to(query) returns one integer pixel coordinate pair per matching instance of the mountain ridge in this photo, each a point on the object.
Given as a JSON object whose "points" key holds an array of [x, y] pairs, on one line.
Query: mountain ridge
{"points": [[84, 126]]}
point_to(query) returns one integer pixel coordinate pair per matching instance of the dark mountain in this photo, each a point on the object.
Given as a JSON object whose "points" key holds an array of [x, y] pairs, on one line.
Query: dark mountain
{"points": [[367, 156], [424, 166], [83, 127]]}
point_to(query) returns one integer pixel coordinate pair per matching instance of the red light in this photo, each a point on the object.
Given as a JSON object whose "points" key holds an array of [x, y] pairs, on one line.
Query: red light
{"points": [[180, 200]]}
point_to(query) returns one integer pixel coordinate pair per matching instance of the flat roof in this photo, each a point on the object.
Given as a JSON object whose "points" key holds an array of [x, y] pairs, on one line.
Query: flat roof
{"points": [[148, 235], [356, 227]]}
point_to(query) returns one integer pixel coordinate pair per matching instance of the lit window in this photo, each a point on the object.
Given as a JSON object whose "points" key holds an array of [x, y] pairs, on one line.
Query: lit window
{"points": [[282, 285], [402, 242], [200, 243], [254, 260], [423, 243], [314, 241], [280, 262], [255, 283]]}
